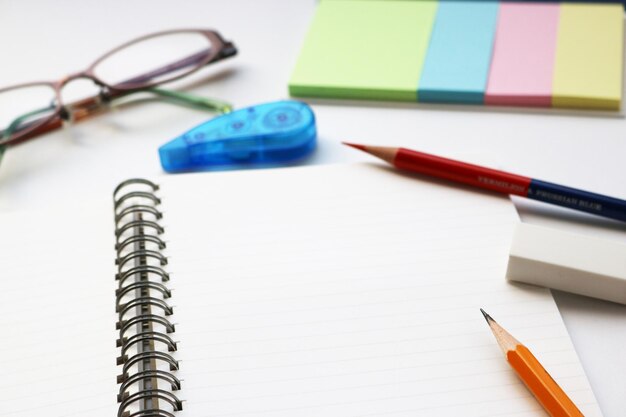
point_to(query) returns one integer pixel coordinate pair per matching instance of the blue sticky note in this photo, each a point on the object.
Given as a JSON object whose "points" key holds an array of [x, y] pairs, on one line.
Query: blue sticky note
{"points": [[457, 63]]}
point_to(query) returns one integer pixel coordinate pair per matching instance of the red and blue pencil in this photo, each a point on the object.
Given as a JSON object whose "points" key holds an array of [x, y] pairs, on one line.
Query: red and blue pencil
{"points": [[499, 181]]}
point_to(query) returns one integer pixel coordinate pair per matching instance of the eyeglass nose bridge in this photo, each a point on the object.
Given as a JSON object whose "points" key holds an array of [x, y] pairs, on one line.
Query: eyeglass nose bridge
{"points": [[77, 76], [85, 107]]}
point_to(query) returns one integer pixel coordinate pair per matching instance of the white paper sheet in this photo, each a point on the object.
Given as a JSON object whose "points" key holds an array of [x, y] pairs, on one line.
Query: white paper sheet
{"points": [[352, 291], [57, 312]]}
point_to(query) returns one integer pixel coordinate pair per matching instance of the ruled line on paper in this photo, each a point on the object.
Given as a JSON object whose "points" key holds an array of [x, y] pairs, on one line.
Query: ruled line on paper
{"points": [[505, 369], [414, 339], [356, 305], [415, 326], [362, 358]]}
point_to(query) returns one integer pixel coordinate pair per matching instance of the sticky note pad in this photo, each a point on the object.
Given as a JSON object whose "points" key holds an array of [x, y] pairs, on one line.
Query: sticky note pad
{"points": [[522, 66], [589, 56], [364, 49], [458, 59]]}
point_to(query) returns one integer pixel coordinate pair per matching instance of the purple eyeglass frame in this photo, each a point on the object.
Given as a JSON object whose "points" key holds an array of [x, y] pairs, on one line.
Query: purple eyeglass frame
{"points": [[219, 49]]}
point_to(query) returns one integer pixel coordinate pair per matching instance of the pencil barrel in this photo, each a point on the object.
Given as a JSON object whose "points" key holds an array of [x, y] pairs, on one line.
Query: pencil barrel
{"points": [[457, 171], [541, 384], [581, 200]]}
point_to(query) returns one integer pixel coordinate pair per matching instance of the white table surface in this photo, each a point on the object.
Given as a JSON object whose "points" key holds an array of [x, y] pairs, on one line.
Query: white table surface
{"points": [[43, 40]]}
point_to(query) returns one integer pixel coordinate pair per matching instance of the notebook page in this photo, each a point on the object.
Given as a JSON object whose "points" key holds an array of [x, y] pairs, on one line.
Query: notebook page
{"points": [[57, 309], [352, 291]]}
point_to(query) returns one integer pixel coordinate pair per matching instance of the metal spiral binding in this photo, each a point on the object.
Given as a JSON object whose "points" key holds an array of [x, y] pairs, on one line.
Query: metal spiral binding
{"points": [[147, 350]]}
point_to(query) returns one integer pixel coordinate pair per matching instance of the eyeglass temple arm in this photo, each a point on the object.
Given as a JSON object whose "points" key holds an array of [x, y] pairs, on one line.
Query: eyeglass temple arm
{"points": [[183, 63], [228, 51], [198, 102], [18, 120], [90, 106]]}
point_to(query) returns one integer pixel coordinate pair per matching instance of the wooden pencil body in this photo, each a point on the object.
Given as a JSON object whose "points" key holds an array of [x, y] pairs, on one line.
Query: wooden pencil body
{"points": [[541, 384]]}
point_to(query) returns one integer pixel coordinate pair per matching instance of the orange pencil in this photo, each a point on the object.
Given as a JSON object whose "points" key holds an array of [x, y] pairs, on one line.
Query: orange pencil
{"points": [[530, 371]]}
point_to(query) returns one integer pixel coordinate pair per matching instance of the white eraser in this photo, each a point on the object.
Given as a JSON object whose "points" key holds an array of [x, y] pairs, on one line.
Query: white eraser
{"points": [[569, 262]]}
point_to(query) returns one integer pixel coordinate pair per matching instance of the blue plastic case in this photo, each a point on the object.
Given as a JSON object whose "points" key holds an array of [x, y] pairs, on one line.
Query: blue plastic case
{"points": [[265, 134]]}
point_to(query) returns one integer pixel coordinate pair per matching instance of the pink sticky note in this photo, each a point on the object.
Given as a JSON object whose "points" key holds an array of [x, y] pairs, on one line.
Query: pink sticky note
{"points": [[524, 53]]}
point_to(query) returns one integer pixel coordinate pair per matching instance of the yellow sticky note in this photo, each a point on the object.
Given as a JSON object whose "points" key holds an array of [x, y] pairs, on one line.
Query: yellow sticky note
{"points": [[589, 56]]}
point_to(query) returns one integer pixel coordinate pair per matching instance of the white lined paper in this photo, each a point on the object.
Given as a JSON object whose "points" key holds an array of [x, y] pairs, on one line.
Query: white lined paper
{"points": [[352, 291], [57, 309], [342, 290]]}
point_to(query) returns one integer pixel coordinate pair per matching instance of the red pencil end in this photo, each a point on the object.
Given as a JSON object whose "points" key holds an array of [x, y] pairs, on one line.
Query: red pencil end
{"points": [[355, 146]]}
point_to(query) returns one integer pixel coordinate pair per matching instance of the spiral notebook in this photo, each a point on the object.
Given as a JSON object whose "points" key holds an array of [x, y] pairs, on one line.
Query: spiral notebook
{"points": [[334, 290]]}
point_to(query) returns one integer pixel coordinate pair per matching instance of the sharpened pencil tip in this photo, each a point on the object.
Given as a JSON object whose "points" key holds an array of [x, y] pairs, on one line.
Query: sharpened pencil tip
{"points": [[487, 317], [356, 146]]}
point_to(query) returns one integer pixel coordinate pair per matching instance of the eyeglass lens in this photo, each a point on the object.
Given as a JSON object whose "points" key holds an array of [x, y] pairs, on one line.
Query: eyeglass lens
{"points": [[25, 107]]}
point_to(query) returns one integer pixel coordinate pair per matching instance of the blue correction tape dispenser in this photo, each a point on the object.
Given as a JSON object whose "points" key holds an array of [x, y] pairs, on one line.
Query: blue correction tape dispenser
{"points": [[266, 134]]}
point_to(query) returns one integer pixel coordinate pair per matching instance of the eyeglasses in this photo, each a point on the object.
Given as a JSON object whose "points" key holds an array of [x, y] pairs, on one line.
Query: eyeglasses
{"points": [[29, 110]]}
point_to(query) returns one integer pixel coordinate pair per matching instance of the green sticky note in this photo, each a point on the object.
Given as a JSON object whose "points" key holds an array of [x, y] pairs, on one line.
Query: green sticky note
{"points": [[364, 50]]}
